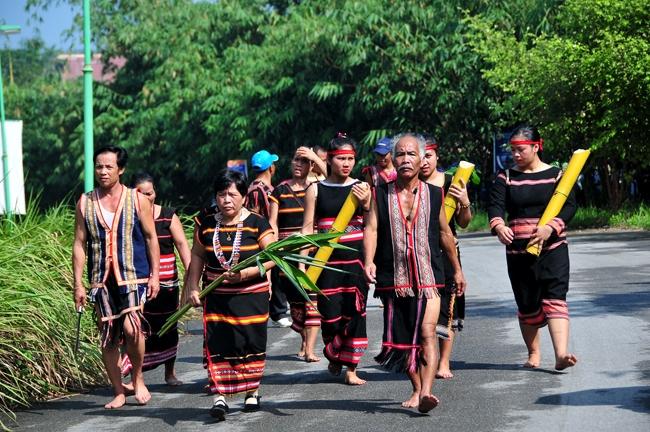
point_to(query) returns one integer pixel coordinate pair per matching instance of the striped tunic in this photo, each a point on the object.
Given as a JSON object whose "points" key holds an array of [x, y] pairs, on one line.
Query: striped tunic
{"points": [[234, 315], [540, 284], [120, 248], [343, 309], [291, 209], [379, 176], [257, 198]]}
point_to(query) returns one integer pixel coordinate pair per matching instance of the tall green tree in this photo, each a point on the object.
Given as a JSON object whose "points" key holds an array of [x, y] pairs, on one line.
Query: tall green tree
{"points": [[587, 83], [209, 81]]}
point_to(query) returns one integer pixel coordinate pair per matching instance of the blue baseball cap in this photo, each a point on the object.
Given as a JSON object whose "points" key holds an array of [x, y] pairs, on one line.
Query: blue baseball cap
{"points": [[383, 146], [262, 160]]}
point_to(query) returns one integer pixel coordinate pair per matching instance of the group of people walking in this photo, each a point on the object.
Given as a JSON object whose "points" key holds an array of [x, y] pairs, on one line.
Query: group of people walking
{"points": [[400, 248]]}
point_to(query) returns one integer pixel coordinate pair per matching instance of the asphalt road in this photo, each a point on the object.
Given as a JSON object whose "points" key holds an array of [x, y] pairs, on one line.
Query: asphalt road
{"points": [[609, 389]]}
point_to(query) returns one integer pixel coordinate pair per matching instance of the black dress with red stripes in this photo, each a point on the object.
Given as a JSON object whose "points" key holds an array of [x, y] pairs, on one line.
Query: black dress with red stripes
{"points": [[291, 212], [160, 349], [235, 315], [343, 305], [447, 310], [540, 284]]}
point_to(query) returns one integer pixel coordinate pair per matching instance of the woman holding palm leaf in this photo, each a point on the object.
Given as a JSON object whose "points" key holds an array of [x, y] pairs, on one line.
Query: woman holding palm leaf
{"points": [[235, 313]]}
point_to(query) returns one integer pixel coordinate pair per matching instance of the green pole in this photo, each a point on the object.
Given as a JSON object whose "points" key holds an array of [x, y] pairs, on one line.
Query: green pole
{"points": [[5, 155], [88, 102], [9, 210]]}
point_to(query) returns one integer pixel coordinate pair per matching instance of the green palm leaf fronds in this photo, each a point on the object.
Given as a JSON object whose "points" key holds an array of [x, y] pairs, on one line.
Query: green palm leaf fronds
{"points": [[285, 254]]}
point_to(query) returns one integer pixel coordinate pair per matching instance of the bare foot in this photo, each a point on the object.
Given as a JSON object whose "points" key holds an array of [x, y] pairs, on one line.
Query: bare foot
{"points": [[413, 401], [142, 395], [334, 369], [117, 402], [303, 344], [351, 378], [173, 381], [567, 361], [427, 403], [312, 358], [534, 359], [444, 373]]}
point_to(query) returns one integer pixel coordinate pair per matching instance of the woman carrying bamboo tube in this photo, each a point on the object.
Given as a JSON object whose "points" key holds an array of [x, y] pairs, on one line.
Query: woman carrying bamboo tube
{"points": [[343, 306], [450, 310], [540, 284], [236, 313]]}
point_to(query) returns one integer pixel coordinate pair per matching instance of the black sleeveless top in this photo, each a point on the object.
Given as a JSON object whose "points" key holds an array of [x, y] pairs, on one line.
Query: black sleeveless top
{"points": [[329, 201], [408, 256], [168, 270]]}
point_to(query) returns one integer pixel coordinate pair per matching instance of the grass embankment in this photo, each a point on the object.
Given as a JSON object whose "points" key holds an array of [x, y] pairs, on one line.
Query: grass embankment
{"points": [[637, 217], [37, 316]]}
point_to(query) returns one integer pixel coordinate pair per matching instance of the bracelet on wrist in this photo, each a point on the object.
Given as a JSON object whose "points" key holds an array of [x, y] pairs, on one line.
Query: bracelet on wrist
{"points": [[464, 206]]}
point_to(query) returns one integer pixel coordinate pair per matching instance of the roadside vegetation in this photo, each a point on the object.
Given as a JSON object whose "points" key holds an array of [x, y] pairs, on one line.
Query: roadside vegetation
{"points": [[37, 316]]}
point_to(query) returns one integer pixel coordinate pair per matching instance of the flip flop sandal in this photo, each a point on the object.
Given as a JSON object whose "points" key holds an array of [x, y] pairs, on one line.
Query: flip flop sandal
{"points": [[219, 410], [252, 403]]}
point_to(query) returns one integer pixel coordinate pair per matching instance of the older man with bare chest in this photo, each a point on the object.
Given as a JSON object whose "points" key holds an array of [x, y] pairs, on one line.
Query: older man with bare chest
{"points": [[408, 219]]}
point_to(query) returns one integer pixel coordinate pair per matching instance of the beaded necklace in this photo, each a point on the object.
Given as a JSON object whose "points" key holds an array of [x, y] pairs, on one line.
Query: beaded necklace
{"points": [[216, 244]]}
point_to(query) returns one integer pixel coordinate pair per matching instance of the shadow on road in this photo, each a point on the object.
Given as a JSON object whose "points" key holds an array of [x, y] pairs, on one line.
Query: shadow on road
{"points": [[170, 415], [619, 303], [368, 406], [635, 399], [461, 365]]}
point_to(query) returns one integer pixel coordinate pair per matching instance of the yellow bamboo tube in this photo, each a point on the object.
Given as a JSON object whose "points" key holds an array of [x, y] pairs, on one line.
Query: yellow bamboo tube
{"points": [[340, 223], [463, 172], [561, 193]]}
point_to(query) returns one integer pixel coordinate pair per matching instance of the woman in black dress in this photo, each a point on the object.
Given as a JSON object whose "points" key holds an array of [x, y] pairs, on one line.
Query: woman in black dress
{"points": [[540, 284], [343, 305], [236, 313]]}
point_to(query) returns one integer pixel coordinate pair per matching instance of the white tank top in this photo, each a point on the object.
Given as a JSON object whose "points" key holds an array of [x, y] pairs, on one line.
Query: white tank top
{"points": [[107, 216]]}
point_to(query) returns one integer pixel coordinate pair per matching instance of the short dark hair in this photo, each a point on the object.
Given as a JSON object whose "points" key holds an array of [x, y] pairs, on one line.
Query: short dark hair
{"points": [[141, 177], [120, 153], [227, 177]]}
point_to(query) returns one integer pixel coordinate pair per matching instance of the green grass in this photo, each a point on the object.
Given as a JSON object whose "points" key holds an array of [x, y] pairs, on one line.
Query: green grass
{"points": [[631, 217], [479, 222], [37, 315]]}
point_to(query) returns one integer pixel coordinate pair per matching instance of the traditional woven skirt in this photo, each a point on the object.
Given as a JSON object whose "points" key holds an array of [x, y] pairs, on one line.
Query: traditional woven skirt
{"points": [[112, 307], [303, 313], [235, 328], [343, 312], [401, 342], [160, 349]]}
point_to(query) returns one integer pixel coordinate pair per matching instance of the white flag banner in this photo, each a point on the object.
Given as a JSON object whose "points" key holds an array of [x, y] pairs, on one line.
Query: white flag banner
{"points": [[14, 129]]}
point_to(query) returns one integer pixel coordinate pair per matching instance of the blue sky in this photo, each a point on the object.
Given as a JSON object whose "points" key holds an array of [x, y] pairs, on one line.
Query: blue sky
{"points": [[55, 20]]}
